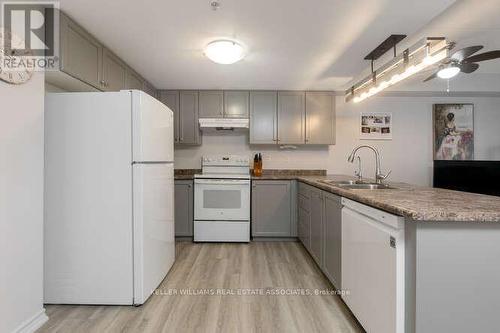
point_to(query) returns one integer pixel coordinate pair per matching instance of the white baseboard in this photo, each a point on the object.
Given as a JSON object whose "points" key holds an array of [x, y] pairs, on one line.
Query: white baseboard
{"points": [[32, 324]]}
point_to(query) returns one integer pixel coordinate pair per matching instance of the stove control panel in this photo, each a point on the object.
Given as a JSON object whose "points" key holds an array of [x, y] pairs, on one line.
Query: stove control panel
{"points": [[225, 160]]}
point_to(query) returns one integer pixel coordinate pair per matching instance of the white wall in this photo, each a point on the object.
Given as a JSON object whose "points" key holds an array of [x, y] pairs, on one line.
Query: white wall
{"points": [[274, 158], [409, 154], [21, 205]]}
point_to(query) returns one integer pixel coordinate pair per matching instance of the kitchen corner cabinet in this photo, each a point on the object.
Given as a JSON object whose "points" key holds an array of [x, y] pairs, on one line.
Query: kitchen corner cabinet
{"points": [[263, 117], [114, 72], [304, 215], [80, 53], [184, 208], [211, 104], [316, 246], [291, 117], [149, 89], [320, 118], [134, 80], [184, 105], [320, 229], [332, 221], [171, 99], [236, 104], [273, 208]]}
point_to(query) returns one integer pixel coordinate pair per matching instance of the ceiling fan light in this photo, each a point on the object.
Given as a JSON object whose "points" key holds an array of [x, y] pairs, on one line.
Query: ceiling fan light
{"points": [[224, 52], [448, 72]]}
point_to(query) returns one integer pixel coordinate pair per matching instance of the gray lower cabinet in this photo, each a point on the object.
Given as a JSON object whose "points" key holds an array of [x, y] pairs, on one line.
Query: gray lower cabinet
{"points": [[211, 104], [273, 208], [320, 229], [291, 117], [184, 208], [81, 54], [304, 215], [320, 118], [189, 127], [316, 247], [236, 104], [332, 221], [114, 72], [263, 117]]}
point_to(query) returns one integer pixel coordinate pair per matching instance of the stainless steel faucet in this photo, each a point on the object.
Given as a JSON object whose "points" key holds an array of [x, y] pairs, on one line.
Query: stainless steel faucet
{"points": [[379, 176], [359, 173]]}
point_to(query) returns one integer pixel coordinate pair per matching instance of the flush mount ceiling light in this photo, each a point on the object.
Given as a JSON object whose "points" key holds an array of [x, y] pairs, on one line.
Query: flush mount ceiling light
{"points": [[224, 51], [449, 71], [425, 53]]}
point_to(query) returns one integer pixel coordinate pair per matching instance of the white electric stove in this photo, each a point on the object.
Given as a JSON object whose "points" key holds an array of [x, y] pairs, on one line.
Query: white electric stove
{"points": [[222, 199]]}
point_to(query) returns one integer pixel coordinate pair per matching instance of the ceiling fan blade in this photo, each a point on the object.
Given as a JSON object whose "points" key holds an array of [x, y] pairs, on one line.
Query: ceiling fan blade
{"points": [[468, 67], [465, 52], [433, 76], [484, 56]]}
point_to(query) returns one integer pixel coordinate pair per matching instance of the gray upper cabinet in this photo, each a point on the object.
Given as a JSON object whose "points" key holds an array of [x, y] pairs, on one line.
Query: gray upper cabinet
{"points": [[114, 72], [320, 118], [291, 117], [171, 99], [184, 208], [316, 246], [83, 57], [236, 104], [332, 238], [81, 54], [134, 81], [189, 128], [273, 208], [211, 104], [149, 89], [263, 117]]}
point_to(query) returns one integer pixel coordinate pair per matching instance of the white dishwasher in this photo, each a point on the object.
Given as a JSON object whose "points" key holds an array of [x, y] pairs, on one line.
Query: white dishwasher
{"points": [[373, 267]]}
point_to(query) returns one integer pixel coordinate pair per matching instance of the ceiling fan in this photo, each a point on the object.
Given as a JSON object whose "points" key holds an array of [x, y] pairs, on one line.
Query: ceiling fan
{"points": [[463, 61]]}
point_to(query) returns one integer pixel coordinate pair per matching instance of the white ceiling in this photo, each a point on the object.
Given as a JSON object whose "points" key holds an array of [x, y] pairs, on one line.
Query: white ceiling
{"points": [[292, 44]]}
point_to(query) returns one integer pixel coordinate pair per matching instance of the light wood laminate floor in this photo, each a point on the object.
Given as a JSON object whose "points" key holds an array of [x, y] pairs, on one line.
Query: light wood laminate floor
{"points": [[262, 267]]}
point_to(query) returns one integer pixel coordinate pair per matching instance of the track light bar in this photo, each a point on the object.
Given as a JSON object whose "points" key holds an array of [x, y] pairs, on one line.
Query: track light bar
{"points": [[427, 52]]}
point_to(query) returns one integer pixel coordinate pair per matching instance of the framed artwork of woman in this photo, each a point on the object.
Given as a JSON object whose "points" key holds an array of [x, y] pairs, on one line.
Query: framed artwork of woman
{"points": [[453, 131]]}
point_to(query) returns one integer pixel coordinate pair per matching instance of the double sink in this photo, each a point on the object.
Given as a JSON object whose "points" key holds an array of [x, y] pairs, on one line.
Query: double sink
{"points": [[357, 185]]}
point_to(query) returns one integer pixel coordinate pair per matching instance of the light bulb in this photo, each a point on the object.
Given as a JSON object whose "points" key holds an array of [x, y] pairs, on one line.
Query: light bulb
{"points": [[448, 72]]}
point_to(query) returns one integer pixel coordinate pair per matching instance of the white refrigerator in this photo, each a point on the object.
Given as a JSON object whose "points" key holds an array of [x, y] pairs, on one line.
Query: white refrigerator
{"points": [[109, 205]]}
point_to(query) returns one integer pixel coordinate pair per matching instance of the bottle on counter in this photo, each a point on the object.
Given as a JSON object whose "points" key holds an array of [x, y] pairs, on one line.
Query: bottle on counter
{"points": [[257, 165], [260, 164]]}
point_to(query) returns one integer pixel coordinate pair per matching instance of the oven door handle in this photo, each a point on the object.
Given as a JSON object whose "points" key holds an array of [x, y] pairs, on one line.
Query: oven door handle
{"points": [[222, 181]]}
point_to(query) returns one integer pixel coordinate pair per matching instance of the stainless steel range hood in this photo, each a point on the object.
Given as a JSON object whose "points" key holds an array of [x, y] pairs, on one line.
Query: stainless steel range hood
{"points": [[223, 124]]}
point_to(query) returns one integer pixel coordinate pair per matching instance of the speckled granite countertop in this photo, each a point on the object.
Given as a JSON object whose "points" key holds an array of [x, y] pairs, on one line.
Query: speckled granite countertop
{"points": [[419, 203], [185, 174], [411, 201]]}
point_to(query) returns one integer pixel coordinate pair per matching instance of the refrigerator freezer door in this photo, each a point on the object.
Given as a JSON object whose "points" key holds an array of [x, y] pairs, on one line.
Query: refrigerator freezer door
{"points": [[153, 131], [154, 244]]}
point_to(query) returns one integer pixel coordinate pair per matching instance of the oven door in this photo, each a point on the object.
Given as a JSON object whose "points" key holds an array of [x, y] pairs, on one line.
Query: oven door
{"points": [[222, 199]]}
